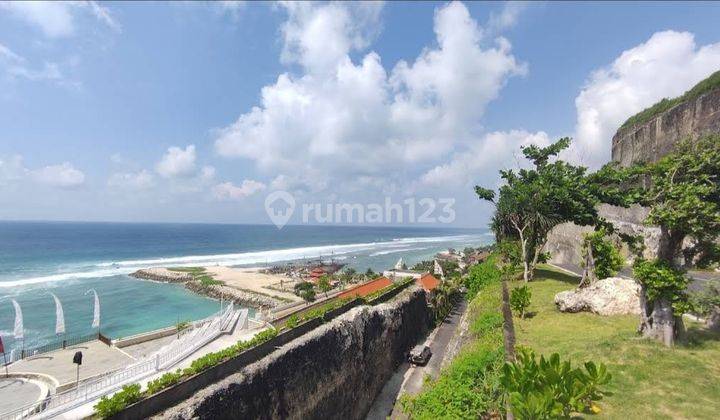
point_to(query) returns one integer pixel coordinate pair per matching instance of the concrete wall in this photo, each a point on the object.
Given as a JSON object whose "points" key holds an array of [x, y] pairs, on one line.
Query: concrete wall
{"points": [[654, 139], [565, 240], [334, 371]]}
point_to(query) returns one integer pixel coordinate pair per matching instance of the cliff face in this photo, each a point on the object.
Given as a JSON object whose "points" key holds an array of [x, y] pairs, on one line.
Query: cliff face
{"points": [[334, 371], [565, 240], [652, 140]]}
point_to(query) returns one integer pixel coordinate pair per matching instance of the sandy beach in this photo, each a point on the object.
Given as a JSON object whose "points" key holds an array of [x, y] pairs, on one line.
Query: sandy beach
{"points": [[251, 279]]}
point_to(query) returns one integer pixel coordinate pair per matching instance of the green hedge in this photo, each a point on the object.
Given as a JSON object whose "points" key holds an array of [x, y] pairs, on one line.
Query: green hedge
{"points": [[469, 388], [109, 406]]}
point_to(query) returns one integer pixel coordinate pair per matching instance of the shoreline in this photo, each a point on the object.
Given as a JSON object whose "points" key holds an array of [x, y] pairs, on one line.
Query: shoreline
{"points": [[250, 287]]}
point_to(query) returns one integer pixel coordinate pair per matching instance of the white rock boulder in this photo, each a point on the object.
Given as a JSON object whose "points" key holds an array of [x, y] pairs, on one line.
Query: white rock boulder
{"points": [[610, 296]]}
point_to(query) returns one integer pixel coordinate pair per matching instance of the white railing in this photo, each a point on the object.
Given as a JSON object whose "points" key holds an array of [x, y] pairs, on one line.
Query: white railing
{"points": [[199, 335]]}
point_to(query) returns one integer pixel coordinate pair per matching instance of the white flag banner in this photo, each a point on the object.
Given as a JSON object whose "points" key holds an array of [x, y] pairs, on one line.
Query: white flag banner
{"points": [[59, 317], [96, 309], [18, 332]]}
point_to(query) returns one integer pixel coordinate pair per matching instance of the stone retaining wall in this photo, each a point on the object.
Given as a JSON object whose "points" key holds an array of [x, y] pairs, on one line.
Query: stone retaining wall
{"points": [[334, 371]]}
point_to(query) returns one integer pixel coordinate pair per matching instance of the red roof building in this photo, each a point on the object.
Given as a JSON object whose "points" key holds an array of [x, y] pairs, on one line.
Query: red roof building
{"points": [[366, 288], [428, 282]]}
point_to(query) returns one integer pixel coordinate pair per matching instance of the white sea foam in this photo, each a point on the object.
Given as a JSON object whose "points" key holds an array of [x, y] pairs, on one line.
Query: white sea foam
{"points": [[393, 251], [112, 268]]}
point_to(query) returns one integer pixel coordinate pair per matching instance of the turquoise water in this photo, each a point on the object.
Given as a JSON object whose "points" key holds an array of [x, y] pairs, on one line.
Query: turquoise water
{"points": [[68, 259]]}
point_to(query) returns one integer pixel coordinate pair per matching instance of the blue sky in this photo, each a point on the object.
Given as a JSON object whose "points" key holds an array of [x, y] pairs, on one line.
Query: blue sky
{"points": [[194, 112]]}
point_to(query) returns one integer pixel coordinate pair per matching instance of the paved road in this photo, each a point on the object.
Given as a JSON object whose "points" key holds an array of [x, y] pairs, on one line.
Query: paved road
{"points": [[700, 279], [408, 379]]}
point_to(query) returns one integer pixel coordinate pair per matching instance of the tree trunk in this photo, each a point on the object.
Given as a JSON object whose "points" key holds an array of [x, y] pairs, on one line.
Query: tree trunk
{"points": [[661, 323], [588, 276], [533, 265]]}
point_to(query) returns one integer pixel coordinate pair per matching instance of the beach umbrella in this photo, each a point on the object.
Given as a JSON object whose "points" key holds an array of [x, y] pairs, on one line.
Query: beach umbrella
{"points": [[19, 331], [96, 309], [59, 316]]}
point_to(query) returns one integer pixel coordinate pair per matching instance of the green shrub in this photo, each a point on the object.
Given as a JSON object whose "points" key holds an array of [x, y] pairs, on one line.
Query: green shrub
{"points": [[606, 254], [480, 275], [292, 322], [662, 281], [520, 299], [551, 389], [704, 301], [165, 381], [109, 406], [208, 280]]}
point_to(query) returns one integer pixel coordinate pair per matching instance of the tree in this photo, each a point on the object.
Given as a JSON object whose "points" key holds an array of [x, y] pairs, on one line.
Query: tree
{"points": [[306, 291], [684, 200], [533, 201], [520, 299], [370, 274], [601, 257], [324, 284]]}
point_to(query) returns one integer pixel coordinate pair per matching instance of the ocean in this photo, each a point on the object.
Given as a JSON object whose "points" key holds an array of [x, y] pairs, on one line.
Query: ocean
{"points": [[70, 258]]}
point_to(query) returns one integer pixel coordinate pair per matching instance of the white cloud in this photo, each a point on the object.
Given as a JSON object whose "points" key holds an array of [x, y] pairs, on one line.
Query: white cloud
{"points": [[16, 66], [229, 191], [64, 175], [55, 18], [177, 162], [484, 158], [508, 16], [132, 180], [666, 65], [340, 123]]}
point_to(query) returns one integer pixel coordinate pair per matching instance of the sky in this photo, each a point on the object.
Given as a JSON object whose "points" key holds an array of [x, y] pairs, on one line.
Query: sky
{"points": [[197, 111]]}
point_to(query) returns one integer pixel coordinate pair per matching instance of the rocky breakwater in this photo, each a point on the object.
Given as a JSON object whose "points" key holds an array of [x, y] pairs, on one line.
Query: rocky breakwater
{"points": [[238, 297], [334, 371], [163, 275]]}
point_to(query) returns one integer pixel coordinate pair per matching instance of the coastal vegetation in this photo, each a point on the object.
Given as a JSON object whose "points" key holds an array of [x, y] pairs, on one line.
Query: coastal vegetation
{"points": [[130, 394], [306, 290], [704, 86], [602, 257], [199, 274], [533, 201], [520, 299], [470, 385], [649, 380], [684, 201], [551, 389]]}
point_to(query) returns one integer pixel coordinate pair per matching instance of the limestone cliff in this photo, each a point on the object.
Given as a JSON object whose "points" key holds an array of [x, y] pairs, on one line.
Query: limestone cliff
{"points": [[651, 140], [333, 372]]}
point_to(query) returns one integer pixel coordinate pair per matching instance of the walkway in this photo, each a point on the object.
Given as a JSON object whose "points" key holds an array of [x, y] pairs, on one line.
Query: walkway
{"points": [[408, 379], [98, 358]]}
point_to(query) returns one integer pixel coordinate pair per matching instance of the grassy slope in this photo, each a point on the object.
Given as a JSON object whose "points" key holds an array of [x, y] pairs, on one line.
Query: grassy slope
{"points": [[469, 385], [649, 380]]}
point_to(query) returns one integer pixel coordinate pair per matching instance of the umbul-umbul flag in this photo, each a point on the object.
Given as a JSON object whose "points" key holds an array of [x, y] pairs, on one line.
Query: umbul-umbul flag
{"points": [[59, 317], [18, 332], [96, 309]]}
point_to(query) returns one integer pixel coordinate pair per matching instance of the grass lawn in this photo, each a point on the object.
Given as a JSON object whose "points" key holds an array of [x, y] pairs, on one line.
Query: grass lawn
{"points": [[649, 380]]}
